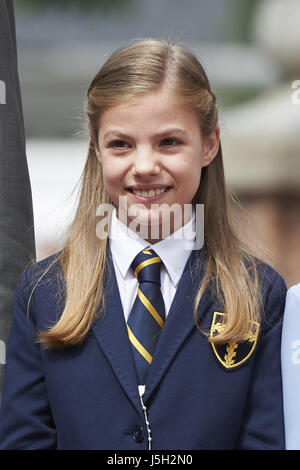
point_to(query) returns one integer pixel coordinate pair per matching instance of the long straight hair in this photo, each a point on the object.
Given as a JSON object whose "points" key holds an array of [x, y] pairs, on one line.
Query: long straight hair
{"points": [[141, 67]]}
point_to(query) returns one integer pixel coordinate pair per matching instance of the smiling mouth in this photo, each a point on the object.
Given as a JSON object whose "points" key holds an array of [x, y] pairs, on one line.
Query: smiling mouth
{"points": [[150, 193]]}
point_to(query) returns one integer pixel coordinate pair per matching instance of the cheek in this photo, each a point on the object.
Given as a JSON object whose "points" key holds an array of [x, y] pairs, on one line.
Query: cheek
{"points": [[189, 182], [112, 173], [188, 173]]}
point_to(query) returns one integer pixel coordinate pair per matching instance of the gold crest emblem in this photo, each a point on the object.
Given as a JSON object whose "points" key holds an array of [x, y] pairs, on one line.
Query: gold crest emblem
{"points": [[233, 354]]}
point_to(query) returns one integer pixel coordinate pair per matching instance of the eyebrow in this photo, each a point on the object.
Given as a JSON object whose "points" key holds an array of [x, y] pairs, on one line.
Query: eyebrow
{"points": [[174, 131]]}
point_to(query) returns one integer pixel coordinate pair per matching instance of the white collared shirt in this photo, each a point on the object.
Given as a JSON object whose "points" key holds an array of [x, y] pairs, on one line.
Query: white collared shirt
{"points": [[174, 252]]}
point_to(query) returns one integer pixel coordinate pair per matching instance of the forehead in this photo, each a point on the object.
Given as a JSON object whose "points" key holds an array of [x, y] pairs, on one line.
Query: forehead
{"points": [[147, 112]]}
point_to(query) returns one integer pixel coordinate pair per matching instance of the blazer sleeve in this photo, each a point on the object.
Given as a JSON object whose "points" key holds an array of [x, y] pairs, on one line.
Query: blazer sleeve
{"points": [[290, 361], [25, 417], [263, 423]]}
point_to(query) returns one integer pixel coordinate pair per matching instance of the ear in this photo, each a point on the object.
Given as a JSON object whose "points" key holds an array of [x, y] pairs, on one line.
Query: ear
{"points": [[211, 146], [95, 145]]}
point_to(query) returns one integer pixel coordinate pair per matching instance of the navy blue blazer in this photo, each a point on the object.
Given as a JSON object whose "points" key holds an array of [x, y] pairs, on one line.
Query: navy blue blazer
{"points": [[86, 396]]}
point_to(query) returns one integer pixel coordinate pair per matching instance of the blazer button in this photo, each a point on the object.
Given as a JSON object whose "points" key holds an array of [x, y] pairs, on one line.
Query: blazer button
{"points": [[138, 435]]}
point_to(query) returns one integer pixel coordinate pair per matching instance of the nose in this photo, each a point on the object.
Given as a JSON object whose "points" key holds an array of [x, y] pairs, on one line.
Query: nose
{"points": [[145, 162]]}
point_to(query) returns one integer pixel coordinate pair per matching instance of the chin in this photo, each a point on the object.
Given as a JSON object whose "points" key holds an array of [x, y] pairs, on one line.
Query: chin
{"points": [[151, 225]]}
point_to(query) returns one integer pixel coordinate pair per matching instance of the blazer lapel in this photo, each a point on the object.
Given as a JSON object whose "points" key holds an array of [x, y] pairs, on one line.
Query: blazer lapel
{"points": [[111, 334], [179, 323]]}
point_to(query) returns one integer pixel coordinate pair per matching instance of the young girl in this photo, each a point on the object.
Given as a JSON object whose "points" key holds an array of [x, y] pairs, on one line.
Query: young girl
{"points": [[142, 339]]}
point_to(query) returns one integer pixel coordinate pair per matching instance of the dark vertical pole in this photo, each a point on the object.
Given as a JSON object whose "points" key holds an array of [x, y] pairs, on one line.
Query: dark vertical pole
{"points": [[17, 245]]}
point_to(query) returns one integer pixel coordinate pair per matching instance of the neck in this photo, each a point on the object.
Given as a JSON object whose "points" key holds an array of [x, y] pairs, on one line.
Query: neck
{"points": [[154, 229]]}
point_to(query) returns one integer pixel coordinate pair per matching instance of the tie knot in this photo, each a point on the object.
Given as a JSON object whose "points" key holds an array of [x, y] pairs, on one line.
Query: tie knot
{"points": [[146, 267]]}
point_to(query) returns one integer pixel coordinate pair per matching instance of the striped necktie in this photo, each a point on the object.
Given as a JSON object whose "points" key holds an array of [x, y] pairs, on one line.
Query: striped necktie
{"points": [[147, 315]]}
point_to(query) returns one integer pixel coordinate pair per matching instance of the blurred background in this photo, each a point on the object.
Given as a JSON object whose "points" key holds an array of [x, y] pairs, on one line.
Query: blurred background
{"points": [[251, 52]]}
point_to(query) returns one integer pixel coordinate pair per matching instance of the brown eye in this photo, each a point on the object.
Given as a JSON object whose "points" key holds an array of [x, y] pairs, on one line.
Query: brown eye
{"points": [[170, 142], [118, 144]]}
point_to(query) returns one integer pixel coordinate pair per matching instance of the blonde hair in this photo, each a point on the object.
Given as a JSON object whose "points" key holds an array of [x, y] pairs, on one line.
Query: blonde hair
{"points": [[230, 273]]}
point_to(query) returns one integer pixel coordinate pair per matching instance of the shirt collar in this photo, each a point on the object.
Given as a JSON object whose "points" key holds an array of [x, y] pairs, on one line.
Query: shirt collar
{"points": [[174, 250]]}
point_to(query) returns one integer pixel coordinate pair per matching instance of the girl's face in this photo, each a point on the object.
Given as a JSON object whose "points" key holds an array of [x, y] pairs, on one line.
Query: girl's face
{"points": [[152, 152]]}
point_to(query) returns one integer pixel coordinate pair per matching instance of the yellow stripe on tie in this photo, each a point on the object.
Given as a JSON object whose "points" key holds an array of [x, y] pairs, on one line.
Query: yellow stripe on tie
{"points": [[138, 346], [150, 308], [147, 252], [156, 259]]}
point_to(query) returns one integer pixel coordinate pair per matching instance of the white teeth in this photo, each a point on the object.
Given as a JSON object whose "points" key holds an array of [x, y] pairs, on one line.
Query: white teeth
{"points": [[158, 191], [151, 193]]}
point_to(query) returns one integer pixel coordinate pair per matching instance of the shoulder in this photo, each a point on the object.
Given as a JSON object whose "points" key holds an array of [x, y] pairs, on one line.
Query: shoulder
{"points": [[271, 282], [40, 290], [42, 271], [273, 294]]}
